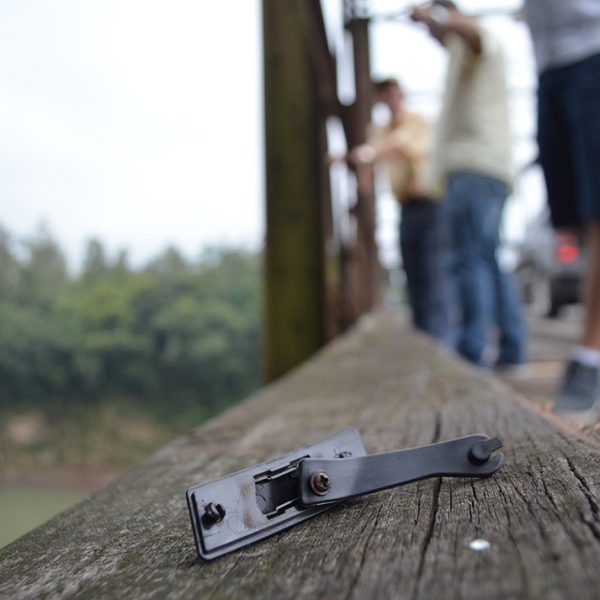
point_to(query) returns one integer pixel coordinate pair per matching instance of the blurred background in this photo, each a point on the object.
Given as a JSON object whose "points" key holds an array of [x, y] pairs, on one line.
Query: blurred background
{"points": [[132, 220]]}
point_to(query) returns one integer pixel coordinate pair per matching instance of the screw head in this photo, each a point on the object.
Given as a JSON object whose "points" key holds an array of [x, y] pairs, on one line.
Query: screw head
{"points": [[320, 483], [214, 513]]}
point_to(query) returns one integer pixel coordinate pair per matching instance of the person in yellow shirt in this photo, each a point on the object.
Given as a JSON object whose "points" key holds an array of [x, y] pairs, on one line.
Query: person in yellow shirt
{"points": [[404, 145]]}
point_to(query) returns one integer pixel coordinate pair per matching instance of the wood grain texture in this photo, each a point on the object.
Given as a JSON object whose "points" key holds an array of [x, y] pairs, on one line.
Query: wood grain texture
{"points": [[540, 513]]}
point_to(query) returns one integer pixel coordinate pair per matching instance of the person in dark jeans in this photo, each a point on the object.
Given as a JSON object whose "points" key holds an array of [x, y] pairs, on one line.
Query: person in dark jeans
{"points": [[423, 241], [566, 40], [487, 294], [471, 164], [404, 146]]}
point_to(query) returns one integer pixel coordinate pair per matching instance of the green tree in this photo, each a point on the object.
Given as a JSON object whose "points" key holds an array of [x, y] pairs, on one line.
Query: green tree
{"points": [[170, 263], [110, 351], [9, 268], [43, 274], [36, 357], [95, 263], [175, 334]]}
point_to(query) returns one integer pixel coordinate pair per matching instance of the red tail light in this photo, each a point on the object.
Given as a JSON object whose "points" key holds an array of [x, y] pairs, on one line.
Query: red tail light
{"points": [[566, 250]]}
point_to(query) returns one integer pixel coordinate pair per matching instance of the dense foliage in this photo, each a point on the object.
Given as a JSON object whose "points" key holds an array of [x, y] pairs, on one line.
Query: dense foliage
{"points": [[173, 333]]}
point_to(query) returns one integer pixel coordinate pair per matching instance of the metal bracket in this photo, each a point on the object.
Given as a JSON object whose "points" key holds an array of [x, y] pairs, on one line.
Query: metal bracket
{"points": [[247, 506], [324, 481]]}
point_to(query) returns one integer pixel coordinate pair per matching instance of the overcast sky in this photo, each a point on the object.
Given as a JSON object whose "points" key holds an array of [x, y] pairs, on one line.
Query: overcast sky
{"points": [[139, 121]]}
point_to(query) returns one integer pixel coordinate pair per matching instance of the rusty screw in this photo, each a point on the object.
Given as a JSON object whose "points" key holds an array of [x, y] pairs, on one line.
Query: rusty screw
{"points": [[320, 483], [214, 513]]}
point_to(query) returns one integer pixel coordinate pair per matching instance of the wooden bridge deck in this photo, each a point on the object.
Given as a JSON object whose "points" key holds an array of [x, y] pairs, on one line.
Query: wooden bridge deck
{"points": [[540, 513]]}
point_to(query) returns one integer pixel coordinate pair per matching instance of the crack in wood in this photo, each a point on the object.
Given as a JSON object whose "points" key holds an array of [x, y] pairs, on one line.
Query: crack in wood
{"points": [[363, 556], [592, 522], [547, 490], [428, 533], [437, 429]]}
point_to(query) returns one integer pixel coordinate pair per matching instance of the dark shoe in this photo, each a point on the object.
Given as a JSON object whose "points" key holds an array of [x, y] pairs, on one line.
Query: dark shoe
{"points": [[578, 398]]}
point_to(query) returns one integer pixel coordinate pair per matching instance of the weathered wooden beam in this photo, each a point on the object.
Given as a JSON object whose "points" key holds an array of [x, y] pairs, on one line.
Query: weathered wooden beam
{"points": [[539, 514], [293, 307]]}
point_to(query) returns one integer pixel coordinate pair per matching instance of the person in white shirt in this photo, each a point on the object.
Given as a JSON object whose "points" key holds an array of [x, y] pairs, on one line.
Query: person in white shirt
{"points": [[471, 165]]}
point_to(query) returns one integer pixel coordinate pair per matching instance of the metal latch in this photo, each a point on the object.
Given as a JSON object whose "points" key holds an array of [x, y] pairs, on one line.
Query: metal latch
{"points": [[250, 505]]}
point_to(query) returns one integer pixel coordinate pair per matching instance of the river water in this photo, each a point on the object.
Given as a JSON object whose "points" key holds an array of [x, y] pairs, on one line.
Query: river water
{"points": [[24, 507]]}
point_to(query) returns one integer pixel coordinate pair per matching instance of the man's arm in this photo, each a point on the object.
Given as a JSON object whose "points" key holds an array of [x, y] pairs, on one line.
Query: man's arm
{"points": [[441, 21], [368, 153], [390, 147], [411, 143]]}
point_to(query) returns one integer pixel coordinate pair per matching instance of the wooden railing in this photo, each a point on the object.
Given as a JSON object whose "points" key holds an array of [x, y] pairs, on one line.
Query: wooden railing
{"points": [[536, 523]]}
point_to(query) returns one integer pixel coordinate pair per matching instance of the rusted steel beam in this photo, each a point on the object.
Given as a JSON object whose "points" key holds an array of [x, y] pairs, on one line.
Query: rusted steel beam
{"points": [[357, 119], [324, 68], [359, 269], [323, 61]]}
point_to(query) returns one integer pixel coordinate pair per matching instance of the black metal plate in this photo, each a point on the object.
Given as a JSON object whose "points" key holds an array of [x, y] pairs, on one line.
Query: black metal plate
{"points": [[244, 522], [368, 474]]}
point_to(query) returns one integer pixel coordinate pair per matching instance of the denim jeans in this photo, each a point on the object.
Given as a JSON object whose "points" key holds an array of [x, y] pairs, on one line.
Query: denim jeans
{"points": [[422, 245], [487, 297]]}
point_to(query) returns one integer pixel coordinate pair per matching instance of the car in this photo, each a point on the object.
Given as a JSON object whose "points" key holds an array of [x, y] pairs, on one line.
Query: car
{"points": [[550, 267]]}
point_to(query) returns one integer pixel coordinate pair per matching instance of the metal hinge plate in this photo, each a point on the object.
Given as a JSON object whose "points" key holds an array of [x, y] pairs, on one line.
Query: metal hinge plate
{"points": [[257, 502], [247, 506]]}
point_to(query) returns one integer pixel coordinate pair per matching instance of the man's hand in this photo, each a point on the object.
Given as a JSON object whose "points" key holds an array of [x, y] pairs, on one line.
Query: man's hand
{"points": [[441, 20], [332, 159], [435, 17], [364, 154], [419, 14]]}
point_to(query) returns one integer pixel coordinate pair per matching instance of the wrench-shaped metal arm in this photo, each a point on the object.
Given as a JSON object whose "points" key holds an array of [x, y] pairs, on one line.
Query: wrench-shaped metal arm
{"points": [[324, 481]]}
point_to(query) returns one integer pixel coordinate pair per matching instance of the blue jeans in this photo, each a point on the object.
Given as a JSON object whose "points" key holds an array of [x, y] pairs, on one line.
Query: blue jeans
{"points": [[422, 245], [487, 297]]}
